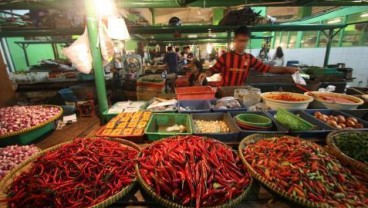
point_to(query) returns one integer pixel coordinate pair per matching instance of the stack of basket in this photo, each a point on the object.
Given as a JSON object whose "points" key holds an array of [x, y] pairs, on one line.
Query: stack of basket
{"points": [[149, 87]]}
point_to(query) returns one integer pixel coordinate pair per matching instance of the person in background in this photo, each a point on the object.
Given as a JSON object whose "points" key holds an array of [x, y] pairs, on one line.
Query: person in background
{"points": [[179, 55], [234, 66], [184, 55], [278, 57], [197, 78], [190, 57], [263, 55], [171, 62]]}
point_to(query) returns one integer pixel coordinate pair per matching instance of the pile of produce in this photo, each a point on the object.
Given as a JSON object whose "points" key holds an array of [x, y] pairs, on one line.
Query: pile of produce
{"points": [[202, 126], [16, 118], [193, 171], [12, 156], [353, 144], [304, 170], [126, 124], [82, 173], [339, 121], [227, 103]]}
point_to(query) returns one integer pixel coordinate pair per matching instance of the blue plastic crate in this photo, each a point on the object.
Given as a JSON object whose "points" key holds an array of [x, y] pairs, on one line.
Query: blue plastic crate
{"points": [[195, 106], [68, 95], [334, 112]]}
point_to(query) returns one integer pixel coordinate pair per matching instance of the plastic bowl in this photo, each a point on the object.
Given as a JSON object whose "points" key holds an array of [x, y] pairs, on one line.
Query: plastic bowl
{"points": [[336, 105], [289, 105], [253, 120]]}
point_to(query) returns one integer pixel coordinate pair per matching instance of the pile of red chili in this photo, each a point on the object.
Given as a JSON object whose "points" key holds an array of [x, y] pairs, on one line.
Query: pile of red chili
{"points": [[193, 171], [303, 169], [80, 174]]}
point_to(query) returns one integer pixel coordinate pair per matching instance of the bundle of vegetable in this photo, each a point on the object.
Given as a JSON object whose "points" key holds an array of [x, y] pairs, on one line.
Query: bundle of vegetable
{"points": [[11, 156], [353, 144], [191, 170], [78, 174], [302, 169], [16, 118]]}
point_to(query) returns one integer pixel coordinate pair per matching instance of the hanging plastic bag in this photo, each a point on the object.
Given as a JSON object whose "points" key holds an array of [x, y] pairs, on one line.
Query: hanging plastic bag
{"points": [[106, 44], [79, 54]]}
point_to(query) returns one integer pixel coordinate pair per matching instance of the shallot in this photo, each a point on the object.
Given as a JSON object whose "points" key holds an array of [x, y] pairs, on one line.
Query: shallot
{"points": [[11, 156], [16, 118]]}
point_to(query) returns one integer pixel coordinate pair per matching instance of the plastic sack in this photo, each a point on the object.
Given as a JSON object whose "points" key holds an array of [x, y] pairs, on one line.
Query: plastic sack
{"points": [[79, 54], [106, 44]]}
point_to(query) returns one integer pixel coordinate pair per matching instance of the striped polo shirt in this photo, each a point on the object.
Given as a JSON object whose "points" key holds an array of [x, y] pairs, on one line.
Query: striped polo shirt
{"points": [[234, 68]]}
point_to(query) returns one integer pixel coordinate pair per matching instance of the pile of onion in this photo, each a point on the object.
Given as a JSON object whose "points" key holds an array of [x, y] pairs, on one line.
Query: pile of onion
{"points": [[339, 121], [16, 118], [12, 156]]}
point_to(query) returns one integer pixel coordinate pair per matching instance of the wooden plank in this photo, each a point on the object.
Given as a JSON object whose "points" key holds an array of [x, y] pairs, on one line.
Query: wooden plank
{"points": [[82, 128]]}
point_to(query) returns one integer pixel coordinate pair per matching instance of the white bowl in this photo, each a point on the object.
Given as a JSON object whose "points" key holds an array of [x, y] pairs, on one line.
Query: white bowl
{"points": [[336, 105], [288, 105]]}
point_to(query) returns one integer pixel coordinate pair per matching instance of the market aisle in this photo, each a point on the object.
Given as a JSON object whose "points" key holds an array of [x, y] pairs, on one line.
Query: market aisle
{"points": [[85, 127]]}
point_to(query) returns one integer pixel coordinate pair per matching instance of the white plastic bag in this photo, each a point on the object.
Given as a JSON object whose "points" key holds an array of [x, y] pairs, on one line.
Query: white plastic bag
{"points": [[106, 43], [79, 54]]}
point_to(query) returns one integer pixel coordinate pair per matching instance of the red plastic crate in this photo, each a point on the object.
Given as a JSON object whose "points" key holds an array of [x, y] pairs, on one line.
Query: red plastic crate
{"points": [[195, 93]]}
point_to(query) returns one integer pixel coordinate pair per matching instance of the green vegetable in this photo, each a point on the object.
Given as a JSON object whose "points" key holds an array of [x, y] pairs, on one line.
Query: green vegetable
{"points": [[353, 144]]}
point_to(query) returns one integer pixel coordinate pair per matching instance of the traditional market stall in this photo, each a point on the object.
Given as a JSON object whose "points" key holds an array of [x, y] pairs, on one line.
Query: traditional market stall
{"points": [[94, 125]]}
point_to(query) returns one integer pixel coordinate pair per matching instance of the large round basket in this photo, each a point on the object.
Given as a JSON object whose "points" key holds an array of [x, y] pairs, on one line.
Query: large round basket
{"points": [[335, 151], [171, 204], [271, 186], [26, 165], [26, 135]]}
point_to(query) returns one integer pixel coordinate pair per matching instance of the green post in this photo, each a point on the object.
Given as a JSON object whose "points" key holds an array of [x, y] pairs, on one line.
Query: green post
{"points": [[92, 26], [342, 32], [299, 38], [273, 39], [328, 47], [288, 39]]}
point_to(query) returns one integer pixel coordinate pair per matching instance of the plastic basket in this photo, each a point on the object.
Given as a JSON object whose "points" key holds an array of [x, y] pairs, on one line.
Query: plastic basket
{"points": [[68, 95], [231, 136], [292, 121], [276, 127], [195, 106], [319, 131], [164, 120], [151, 81], [195, 93]]}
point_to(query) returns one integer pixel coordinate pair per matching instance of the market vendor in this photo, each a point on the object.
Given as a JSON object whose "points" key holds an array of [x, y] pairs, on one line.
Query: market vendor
{"points": [[234, 66]]}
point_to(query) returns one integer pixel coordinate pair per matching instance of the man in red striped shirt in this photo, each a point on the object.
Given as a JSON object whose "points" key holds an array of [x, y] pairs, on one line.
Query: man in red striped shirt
{"points": [[234, 66]]}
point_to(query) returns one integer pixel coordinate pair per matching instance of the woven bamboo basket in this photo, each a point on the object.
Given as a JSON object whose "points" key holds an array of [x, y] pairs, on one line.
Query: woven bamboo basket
{"points": [[335, 151], [26, 165], [26, 130], [272, 186], [171, 204]]}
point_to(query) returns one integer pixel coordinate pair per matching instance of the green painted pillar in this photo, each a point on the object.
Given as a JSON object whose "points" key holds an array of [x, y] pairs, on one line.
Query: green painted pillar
{"points": [[299, 38], [217, 15], [258, 43], [273, 39], [328, 47], [92, 26], [342, 31]]}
